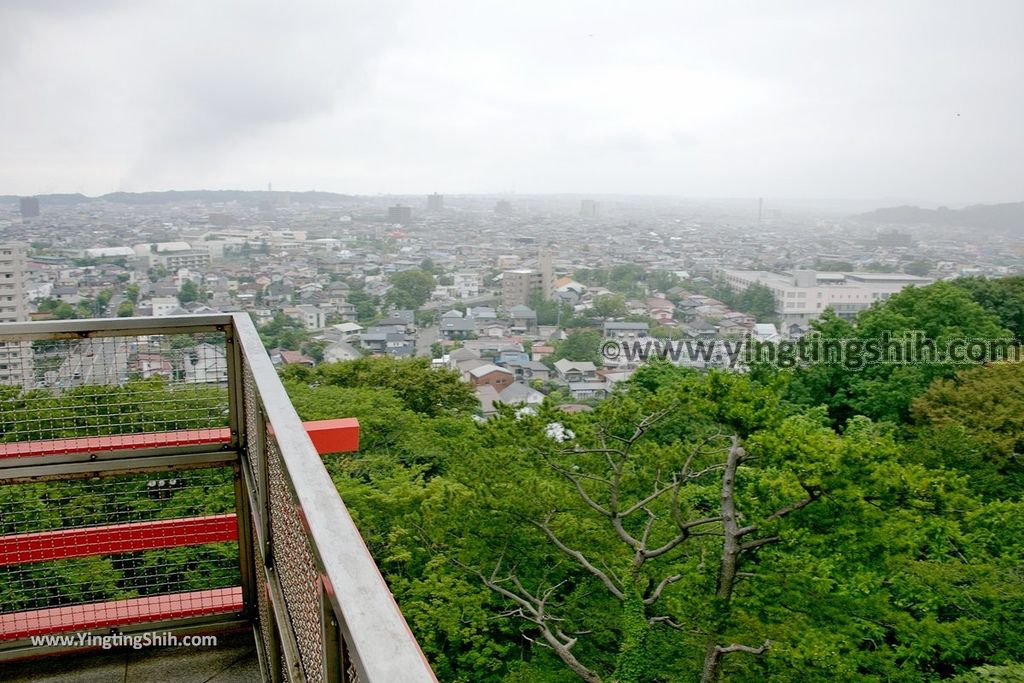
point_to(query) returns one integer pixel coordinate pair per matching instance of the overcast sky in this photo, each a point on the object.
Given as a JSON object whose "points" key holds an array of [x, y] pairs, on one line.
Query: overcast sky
{"points": [[815, 99]]}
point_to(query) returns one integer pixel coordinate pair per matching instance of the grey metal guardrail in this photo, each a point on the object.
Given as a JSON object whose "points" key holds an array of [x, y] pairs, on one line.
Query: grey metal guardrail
{"points": [[320, 607]]}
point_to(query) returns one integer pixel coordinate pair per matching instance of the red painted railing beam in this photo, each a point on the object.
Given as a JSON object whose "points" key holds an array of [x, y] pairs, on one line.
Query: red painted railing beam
{"points": [[96, 615], [63, 544], [328, 436]]}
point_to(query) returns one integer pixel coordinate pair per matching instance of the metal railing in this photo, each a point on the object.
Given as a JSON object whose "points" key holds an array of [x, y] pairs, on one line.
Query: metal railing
{"points": [[154, 475]]}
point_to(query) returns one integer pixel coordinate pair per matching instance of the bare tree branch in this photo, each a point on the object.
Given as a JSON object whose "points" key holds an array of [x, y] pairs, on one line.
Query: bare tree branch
{"points": [[744, 648], [579, 557], [750, 545], [533, 609], [684, 534], [813, 495], [656, 593], [668, 621], [575, 479]]}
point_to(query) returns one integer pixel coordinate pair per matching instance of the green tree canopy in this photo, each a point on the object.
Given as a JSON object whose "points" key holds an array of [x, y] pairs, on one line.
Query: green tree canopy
{"points": [[579, 345], [410, 289]]}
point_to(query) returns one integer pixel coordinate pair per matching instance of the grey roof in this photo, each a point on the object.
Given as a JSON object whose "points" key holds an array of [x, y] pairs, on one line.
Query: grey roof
{"points": [[517, 392], [522, 312], [392, 321], [564, 365], [535, 365], [487, 369], [463, 354], [625, 326], [458, 324]]}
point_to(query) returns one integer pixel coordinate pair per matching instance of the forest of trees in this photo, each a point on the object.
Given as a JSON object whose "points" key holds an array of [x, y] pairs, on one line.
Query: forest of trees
{"points": [[815, 523]]}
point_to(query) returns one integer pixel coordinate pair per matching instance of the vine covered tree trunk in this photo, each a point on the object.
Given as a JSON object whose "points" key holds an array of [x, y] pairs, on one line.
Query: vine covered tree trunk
{"points": [[633, 663]]}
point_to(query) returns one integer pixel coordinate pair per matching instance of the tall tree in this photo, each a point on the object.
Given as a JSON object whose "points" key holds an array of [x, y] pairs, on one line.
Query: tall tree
{"points": [[410, 288]]}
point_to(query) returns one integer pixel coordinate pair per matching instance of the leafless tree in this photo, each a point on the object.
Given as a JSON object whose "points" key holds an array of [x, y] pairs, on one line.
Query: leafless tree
{"points": [[604, 494]]}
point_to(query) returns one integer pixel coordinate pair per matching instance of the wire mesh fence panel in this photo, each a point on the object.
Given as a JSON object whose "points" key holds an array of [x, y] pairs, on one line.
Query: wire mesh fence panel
{"points": [[264, 615], [251, 411], [53, 505], [113, 387], [295, 566], [164, 540]]}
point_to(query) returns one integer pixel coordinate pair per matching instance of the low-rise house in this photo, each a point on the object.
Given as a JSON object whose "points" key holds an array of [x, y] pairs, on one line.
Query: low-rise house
{"points": [[491, 374], [541, 351], [464, 366], [205, 364], [742, 318], [698, 328], [575, 371], [513, 355], [492, 329], [482, 313], [518, 393], [348, 328], [488, 397], [341, 351], [529, 370], [295, 358], [152, 365], [457, 328], [765, 332], [523, 318], [374, 342], [731, 328], [309, 316], [625, 330], [582, 390], [459, 355]]}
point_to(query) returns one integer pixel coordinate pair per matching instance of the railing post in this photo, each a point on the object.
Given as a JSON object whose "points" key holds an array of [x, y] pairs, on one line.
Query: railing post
{"points": [[239, 442], [334, 650]]}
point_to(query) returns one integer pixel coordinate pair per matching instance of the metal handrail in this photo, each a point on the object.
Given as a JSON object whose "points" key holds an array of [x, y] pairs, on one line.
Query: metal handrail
{"points": [[381, 646], [365, 637]]}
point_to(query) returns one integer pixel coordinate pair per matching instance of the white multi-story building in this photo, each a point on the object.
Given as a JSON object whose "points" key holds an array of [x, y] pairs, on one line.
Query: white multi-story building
{"points": [[16, 366], [310, 317], [13, 307], [467, 285], [802, 296], [163, 306]]}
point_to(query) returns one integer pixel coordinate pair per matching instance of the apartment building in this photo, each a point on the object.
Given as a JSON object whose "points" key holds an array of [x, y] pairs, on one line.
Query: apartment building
{"points": [[16, 366]]}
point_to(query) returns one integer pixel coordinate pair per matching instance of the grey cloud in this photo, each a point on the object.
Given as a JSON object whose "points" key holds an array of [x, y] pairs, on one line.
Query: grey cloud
{"points": [[791, 98]]}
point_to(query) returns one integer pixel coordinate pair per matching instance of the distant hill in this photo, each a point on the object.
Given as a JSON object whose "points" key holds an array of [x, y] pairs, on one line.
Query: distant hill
{"points": [[992, 217], [51, 199], [185, 196]]}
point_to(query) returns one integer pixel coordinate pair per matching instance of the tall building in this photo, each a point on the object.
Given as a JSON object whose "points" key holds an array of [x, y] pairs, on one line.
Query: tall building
{"points": [[435, 202], [29, 207], [503, 207], [16, 366], [547, 274], [589, 208], [12, 283], [520, 285], [399, 214]]}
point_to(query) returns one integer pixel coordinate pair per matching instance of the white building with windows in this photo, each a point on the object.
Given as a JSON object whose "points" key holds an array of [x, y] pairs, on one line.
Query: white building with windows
{"points": [[467, 285], [16, 367], [802, 295]]}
